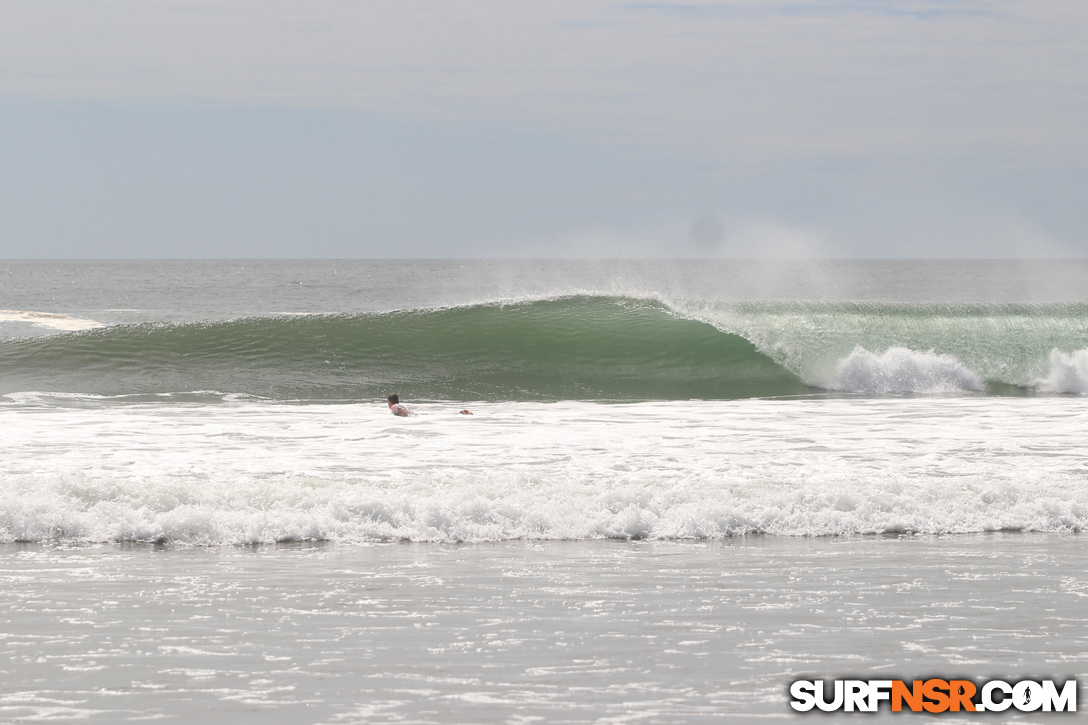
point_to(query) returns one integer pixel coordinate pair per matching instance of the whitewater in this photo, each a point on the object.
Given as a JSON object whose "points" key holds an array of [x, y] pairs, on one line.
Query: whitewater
{"points": [[252, 472], [683, 486]]}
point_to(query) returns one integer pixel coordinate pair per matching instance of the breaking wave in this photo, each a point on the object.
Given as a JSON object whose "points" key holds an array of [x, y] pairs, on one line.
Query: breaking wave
{"points": [[582, 347]]}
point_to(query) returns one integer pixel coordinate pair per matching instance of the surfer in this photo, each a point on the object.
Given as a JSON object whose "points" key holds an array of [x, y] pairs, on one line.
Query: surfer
{"points": [[397, 409]]}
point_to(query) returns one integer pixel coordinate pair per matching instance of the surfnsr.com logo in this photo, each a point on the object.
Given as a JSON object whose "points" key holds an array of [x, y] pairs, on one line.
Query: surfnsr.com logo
{"points": [[933, 695]]}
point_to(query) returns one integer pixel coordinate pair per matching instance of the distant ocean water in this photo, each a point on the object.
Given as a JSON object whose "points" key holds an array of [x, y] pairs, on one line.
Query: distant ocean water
{"points": [[185, 406]]}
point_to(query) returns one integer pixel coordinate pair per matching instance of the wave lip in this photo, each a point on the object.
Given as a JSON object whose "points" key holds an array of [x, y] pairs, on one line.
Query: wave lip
{"points": [[901, 370]]}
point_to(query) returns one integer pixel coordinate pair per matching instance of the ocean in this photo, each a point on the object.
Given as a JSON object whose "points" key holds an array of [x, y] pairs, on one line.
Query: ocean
{"points": [[683, 485]]}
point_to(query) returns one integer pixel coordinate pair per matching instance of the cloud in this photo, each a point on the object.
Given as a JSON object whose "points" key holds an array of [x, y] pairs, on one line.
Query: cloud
{"points": [[566, 128], [731, 81]]}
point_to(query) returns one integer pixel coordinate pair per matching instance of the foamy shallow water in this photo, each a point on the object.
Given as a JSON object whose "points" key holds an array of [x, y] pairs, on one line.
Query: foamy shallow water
{"points": [[88, 470], [551, 632]]}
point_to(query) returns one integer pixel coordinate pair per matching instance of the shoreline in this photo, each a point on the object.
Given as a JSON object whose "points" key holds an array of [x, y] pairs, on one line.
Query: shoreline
{"points": [[563, 631], [750, 539]]}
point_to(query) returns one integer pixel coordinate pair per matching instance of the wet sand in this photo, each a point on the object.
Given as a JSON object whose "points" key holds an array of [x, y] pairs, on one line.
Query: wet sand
{"points": [[551, 632]]}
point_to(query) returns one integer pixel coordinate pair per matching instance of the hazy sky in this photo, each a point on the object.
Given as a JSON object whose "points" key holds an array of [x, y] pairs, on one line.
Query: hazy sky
{"points": [[328, 128]]}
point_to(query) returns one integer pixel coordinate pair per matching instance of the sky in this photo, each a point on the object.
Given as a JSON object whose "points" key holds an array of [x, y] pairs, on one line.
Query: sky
{"points": [[569, 129]]}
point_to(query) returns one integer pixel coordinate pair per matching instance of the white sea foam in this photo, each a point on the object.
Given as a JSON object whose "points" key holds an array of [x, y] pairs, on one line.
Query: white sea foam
{"points": [[900, 370], [250, 471], [49, 320], [1068, 373]]}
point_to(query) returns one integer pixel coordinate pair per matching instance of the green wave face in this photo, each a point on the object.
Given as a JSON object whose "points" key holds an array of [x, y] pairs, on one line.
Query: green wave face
{"points": [[584, 348]]}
